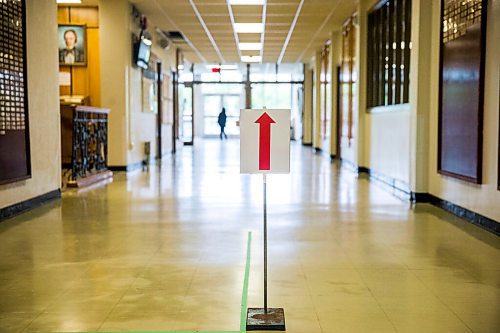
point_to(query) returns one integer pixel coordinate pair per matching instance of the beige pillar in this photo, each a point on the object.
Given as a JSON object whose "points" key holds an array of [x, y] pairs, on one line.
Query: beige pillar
{"points": [[308, 113], [115, 45], [317, 100], [420, 76]]}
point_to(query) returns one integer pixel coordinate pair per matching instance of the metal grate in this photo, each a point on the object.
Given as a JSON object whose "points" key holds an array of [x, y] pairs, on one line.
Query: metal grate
{"points": [[12, 79]]}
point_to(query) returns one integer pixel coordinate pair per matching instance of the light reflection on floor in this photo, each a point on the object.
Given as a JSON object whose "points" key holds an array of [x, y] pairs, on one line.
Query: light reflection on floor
{"points": [[166, 249]]}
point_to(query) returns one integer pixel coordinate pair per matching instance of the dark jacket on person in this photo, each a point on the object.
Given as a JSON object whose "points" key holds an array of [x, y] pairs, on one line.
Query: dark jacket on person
{"points": [[222, 119]]}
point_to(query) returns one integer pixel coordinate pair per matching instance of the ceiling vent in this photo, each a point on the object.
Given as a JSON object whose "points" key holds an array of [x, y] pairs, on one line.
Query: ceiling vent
{"points": [[176, 36]]}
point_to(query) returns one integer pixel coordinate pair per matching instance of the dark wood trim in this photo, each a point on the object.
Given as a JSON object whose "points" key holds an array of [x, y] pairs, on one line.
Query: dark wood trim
{"points": [[339, 112], [475, 218], [362, 169], [98, 177], [407, 51], [482, 66], [307, 144], [420, 197], [26, 92], [26, 205], [317, 150], [126, 168], [159, 83], [461, 177]]}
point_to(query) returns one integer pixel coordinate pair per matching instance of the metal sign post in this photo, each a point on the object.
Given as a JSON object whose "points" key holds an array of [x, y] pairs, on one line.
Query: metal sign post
{"points": [[264, 153], [265, 243]]}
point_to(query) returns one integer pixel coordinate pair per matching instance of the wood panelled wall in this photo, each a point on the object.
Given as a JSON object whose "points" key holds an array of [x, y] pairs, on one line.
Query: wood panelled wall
{"points": [[348, 79], [84, 80]]}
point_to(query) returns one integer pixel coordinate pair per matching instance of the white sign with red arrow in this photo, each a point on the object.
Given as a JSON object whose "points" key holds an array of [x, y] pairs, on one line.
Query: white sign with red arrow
{"points": [[265, 141]]}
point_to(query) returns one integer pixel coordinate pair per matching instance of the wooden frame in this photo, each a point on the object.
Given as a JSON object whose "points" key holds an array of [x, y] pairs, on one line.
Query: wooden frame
{"points": [[388, 48], [69, 34], [15, 158], [453, 164]]}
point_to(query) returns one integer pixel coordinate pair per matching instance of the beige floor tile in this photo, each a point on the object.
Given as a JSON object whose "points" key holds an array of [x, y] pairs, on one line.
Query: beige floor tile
{"points": [[208, 319], [437, 322], [166, 250], [15, 322], [301, 322], [67, 321], [355, 320], [139, 322]]}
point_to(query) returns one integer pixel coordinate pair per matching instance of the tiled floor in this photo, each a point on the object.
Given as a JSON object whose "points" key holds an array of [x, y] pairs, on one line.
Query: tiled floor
{"points": [[166, 250]]}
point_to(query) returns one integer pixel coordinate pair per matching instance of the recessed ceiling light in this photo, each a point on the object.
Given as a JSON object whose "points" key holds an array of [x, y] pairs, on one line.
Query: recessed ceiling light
{"points": [[250, 46], [69, 1], [246, 2], [248, 27], [251, 58]]}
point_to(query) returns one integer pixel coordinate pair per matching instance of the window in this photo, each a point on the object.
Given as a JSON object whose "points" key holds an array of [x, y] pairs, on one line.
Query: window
{"points": [[389, 45]]}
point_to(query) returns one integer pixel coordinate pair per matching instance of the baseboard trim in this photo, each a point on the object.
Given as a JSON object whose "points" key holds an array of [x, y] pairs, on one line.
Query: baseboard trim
{"points": [[475, 218], [26, 205], [372, 175], [318, 150], [307, 144], [126, 168], [422, 197]]}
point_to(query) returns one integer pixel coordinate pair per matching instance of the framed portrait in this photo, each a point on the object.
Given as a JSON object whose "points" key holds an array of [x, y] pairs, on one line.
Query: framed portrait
{"points": [[72, 45]]}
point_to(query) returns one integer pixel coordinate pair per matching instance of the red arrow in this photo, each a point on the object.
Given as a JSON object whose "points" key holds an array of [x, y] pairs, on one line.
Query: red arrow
{"points": [[265, 141]]}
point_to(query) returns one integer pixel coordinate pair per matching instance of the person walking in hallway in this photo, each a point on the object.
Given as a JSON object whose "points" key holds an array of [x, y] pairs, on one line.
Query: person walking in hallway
{"points": [[222, 122]]}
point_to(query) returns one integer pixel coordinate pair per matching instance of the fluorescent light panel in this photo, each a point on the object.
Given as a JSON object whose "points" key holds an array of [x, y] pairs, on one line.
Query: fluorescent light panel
{"points": [[69, 1], [250, 46], [251, 58], [246, 2], [248, 27]]}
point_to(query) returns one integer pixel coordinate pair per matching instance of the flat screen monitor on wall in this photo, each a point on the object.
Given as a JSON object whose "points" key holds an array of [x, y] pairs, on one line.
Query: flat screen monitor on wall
{"points": [[142, 52]]}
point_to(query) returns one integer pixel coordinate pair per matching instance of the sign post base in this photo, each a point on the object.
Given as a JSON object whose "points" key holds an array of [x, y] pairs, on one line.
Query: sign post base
{"points": [[259, 320]]}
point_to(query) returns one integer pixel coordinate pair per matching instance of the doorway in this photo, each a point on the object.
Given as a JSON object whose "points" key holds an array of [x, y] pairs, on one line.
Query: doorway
{"points": [[212, 106]]}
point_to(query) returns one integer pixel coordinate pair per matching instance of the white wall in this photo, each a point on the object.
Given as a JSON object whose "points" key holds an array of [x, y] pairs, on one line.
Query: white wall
{"points": [[43, 103], [388, 143], [122, 87]]}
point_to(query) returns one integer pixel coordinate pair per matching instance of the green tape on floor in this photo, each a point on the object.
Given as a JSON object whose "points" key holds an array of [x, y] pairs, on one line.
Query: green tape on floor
{"points": [[244, 301], [244, 294]]}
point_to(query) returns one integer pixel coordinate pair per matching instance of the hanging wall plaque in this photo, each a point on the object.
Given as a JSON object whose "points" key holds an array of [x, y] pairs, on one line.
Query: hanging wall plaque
{"points": [[463, 45]]}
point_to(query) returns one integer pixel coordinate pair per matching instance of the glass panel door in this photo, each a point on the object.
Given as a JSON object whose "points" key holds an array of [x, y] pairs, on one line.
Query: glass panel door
{"points": [[232, 105], [186, 113], [212, 107]]}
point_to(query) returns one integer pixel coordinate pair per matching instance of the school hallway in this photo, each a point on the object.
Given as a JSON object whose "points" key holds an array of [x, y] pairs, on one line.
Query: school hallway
{"points": [[169, 249]]}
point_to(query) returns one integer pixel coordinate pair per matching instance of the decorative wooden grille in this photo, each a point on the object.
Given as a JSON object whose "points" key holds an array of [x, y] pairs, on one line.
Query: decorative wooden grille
{"points": [[14, 135], [12, 106], [458, 16]]}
